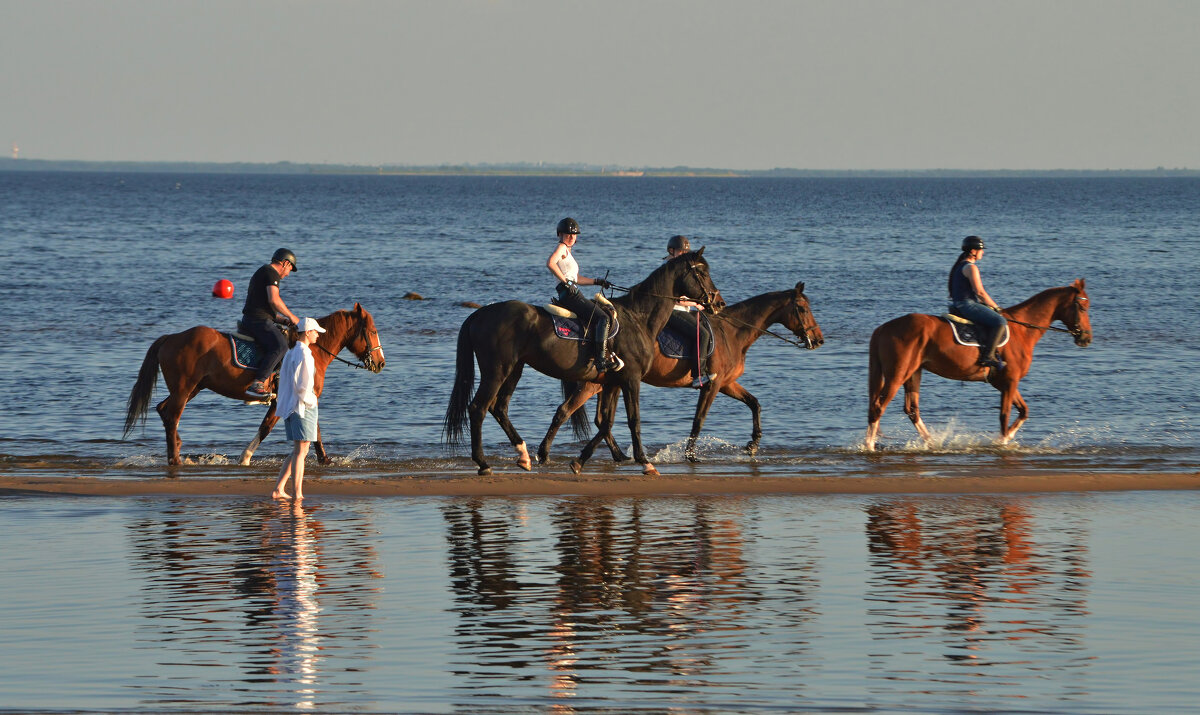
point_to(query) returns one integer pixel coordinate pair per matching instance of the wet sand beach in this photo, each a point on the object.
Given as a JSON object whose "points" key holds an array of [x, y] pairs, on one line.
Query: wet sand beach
{"points": [[606, 484]]}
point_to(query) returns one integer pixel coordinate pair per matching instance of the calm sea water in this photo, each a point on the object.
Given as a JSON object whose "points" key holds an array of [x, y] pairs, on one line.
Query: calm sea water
{"points": [[99, 265], [1047, 604]]}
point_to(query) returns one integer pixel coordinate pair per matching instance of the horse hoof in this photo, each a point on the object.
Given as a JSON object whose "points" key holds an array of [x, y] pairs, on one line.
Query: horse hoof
{"points": [[752, 448], [649, 469], [576, 466], [485, 471], [691, 457], [525, 464]]}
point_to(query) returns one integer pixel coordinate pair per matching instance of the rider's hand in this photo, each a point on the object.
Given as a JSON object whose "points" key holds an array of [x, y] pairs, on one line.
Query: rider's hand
{"points": [[997, 308], [603, 283]]}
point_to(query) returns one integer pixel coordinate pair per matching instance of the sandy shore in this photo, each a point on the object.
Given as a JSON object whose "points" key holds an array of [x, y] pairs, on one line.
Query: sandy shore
{"points": [[604, 484]]}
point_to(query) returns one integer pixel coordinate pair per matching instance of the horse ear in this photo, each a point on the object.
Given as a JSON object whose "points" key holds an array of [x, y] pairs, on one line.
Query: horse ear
{"points": [[358, 308], [799, 287], [700, 252], [1079, 283]]}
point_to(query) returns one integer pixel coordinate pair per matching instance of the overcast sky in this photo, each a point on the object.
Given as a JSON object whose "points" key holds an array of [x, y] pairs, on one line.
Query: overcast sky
{"points": [[745, 84]]}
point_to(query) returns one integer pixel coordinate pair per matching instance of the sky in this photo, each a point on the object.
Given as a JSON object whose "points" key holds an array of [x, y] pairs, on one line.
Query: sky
{"points": [[741, 84]]}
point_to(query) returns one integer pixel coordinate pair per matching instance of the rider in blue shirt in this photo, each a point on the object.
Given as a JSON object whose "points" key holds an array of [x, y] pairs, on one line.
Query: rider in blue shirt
{"points": [[969, 300]]}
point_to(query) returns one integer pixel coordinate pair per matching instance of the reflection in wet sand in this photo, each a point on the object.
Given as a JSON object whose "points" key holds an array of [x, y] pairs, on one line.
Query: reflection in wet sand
{"points": [[966, 580], [269, 583]]}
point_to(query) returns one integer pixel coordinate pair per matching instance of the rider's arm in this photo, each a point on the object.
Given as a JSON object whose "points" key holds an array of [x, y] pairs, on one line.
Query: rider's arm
{"points": [[276, 303], [977, 285], [689, 303]]}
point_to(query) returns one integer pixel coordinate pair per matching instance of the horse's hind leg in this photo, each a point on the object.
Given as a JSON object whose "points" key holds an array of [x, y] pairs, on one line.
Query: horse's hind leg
{"points": [[881, 395], [499, 410], [912, 405], [610, 404], [562, 414], [170, 410], [264, 429]]}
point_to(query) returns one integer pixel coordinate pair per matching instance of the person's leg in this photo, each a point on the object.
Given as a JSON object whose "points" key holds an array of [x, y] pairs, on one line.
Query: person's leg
{"points": [[298, 455], [285, 472], [272, 345]]}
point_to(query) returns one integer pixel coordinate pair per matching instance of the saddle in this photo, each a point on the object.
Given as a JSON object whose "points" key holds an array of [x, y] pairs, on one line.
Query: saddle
{"points": [[674, 344], [968, 333], [568, 326]]}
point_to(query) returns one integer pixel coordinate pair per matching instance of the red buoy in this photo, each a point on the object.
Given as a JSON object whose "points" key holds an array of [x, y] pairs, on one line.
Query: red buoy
{"points": [[223, 289]]}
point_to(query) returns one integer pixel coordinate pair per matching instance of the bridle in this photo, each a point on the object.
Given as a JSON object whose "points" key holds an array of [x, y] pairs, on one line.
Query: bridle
{"points": [[708, 300], [1075, 332], [806, 340], [366, 359]]}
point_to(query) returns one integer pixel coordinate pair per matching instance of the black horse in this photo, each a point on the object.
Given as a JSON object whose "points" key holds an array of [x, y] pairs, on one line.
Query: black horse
{"points": [[504, 337]]}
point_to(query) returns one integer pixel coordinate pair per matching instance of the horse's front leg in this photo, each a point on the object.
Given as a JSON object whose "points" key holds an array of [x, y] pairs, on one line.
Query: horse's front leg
{"points": [[319, 448], [562, 414], [1008, 398], [737, 392], [264, 429], [633, 412], [609, 402], [703, 405]]}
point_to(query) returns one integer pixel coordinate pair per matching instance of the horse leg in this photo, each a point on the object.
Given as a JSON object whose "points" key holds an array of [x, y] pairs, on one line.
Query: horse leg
{"points": [[489, 387], [499, 410], [610, 404], [703, 404], [881, 395], [170, 410], [606, 415], [1007, 400], [562, 414], [632, 393], [264, 429], [741, 394], [319, 447], [912, 405]]}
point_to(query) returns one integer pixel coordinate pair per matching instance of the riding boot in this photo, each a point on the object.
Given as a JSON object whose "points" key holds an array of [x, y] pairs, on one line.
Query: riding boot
{"points": [[989, 358], [603, 363]]}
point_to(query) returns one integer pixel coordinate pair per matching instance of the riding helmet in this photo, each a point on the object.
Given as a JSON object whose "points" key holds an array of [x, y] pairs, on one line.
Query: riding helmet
{"points": [[284, 254], [677, 243], [568, 225], [970, 243]]}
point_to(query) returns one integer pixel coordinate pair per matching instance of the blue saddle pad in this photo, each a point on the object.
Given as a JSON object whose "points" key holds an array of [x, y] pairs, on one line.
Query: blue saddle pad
{"points": [[676, 345], [245, 352], [968, 333]]}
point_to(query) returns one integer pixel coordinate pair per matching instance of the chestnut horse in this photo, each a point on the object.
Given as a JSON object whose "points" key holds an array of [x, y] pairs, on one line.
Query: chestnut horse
{"points": [[900, 348], [201, 358], [734, 331], [504, 337]]}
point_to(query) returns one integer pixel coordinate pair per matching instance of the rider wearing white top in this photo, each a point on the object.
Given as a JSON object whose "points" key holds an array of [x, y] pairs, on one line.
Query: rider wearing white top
{"points": [[564, 267]]}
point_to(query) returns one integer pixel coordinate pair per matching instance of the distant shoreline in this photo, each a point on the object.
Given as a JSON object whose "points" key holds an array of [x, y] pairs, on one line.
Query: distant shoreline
{"points": [[8, 164]]}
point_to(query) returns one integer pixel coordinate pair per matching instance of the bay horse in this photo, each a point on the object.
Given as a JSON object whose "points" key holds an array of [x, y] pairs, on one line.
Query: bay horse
{"points": [[201, 358], [504, 337], [734, 330], [902, 347]]}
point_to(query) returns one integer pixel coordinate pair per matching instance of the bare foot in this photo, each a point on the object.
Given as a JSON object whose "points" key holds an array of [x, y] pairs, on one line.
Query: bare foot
{"points": [[280, 495], [299, 496]]}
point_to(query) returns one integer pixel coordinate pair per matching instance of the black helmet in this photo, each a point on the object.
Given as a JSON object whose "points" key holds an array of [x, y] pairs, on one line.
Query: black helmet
{"points": [[970, 243], [679, 243], [568, 225], [284, 254]]}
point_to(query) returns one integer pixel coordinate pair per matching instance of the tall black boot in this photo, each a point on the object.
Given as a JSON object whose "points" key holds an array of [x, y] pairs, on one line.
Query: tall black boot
{"points": [[989, 358], [600, 344]]}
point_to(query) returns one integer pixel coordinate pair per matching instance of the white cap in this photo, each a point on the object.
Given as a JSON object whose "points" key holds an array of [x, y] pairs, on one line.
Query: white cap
{"points": [[307, 324]]}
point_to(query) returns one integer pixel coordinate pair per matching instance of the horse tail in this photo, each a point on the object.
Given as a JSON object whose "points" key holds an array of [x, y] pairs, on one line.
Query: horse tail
{"points": [[143, 389], [580, 425], [455, 421]]}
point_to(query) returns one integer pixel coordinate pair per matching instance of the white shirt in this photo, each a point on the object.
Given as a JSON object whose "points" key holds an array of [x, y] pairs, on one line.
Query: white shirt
{"points": [[569, 267], [296, 374]]}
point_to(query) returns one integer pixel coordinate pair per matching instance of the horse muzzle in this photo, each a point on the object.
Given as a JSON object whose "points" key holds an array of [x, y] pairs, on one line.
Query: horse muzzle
{"points": [[1083, 338]]}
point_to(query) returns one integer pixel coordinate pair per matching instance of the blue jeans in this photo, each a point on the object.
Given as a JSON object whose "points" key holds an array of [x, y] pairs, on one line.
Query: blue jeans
{"points": [[977, 312]]}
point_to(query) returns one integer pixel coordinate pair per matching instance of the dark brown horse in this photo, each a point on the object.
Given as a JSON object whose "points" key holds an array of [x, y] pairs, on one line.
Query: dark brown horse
{"points": [[504, 337], [201, 358], [734, 331], [901, 348]]}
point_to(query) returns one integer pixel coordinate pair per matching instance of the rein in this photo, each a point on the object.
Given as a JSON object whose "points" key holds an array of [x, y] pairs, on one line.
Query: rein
{"points": [[790, 341], [1055, 328], [359, 365]]}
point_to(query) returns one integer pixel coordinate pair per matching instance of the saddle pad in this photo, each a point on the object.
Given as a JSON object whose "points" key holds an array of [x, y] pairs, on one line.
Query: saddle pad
{"points": [[676, 345], [245, 352], [968, 333], [572, 328]]}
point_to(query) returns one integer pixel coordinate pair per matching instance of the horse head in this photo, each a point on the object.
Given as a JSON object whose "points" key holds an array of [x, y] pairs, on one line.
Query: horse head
{"points": [[693, 279], [1074, 315], [798, 318], [364, 340]]}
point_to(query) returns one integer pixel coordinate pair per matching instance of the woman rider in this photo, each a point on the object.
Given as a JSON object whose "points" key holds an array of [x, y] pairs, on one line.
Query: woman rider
{"points": [[969, 300], [684, 319], [562, 264]]}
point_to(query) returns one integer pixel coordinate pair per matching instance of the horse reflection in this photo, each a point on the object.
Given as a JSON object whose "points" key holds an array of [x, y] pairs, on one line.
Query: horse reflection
{"points": [[972, 571]]}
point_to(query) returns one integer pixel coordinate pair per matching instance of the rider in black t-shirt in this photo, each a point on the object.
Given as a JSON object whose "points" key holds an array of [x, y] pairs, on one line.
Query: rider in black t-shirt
{"points": [[263, 308]]}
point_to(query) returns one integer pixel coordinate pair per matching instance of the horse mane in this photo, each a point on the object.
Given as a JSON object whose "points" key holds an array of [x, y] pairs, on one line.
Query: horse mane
{"points": [[653, 285], [1044, 296]]}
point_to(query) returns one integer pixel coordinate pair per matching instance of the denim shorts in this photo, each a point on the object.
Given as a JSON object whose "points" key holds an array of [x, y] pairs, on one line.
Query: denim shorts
{"points": [[302, 428]]}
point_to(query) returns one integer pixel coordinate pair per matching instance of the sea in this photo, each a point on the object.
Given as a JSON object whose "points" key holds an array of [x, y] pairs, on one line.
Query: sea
{"points": [[1051, 603]]}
